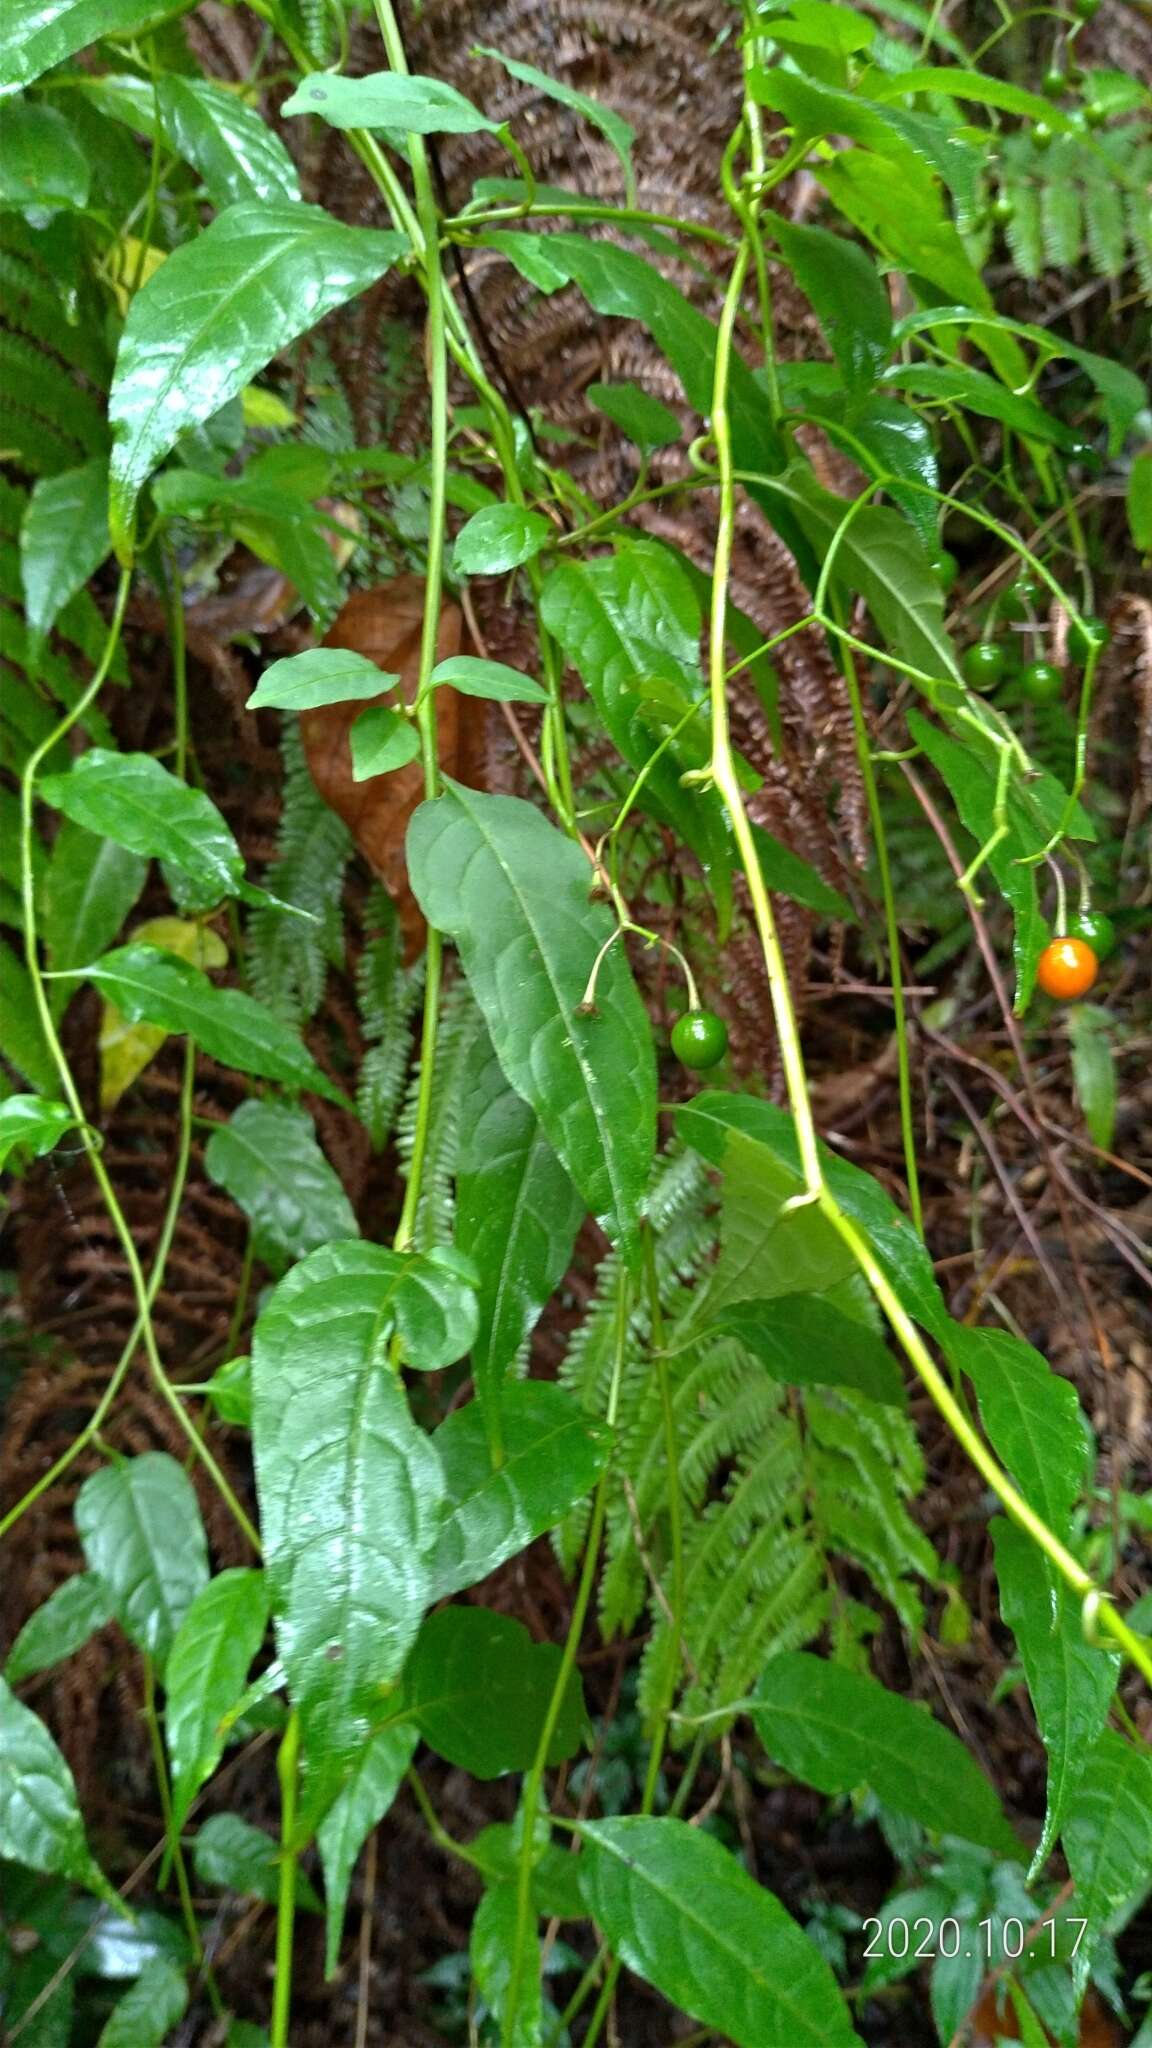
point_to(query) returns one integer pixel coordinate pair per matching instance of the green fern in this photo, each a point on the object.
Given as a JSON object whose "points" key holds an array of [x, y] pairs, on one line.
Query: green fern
{"points": [[1079, 200], [67, 323], [456, 1035], [388, 995], [289, 957]]}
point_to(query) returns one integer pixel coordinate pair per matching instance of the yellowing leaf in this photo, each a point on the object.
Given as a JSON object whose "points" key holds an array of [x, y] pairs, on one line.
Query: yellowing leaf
{"points": [[265, 408], [126, 1049], [127, 269]]}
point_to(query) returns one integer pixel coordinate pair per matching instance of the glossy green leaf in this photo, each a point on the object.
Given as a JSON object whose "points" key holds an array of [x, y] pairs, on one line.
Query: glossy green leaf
{"points": [[321, 675], [491, 1946], [613, 127], [498, 538], [39, 33], [40, 1820], [619, 284], [148, 2011], [959, 84], [1031, 1415], [1070, 1681], [552, 1458], [236, 153], [974, 391], [403, 102], [206, 1673], [494, 679], [682, 1912], [22, 1040], [838, 1729], [892, 442], [376, 1778], [380, 740], [350, 1489], [637, 414], [268, 1159], [1108, 1837], [140, 1526], [1094, 1070], [517, 1214], [847, 295], [479, 1690], [63, 540], [513, 892], [787, 875], [804, 1340], [90, 887], [820, 25], [1139, 501], [41, 164], [230, 1391], [32, 1125], [218, 309], [153, 987], [231, 1853], [135, 800], [61, 1626]]}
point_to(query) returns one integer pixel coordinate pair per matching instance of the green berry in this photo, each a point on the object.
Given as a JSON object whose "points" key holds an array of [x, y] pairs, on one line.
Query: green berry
{"points": [[984, 664], [1054, 84], [699, 1039], [1041, 683], [945, 569], [1096, 930], [1094, 114], [1021, 599], [1094, 634], [1086, 9], [1042, 135], [1002, 209]]}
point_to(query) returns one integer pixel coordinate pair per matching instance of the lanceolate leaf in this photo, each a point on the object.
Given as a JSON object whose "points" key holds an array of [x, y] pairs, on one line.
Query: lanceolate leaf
{"points": [[40, 1823], [136, 801], [63, 1624], [90, 887], [517, 1214], [479, 1690], [350, 1492], [403, 102], [804, 1340], [512, 891], [365, 1799], [1032, 1417], [214, 313], [1070, 1681], [206, 1674], [787, 875], [139, 1523], [232, 1853], [491, 1946], [268, 1159], [612, 126], [321, 675], [31, 1126], [153, 987], [1108, 1837], [63, 539], [380, 740], [148, 2011], [499, 538], [235, 152], [848, 296], [41, 164], [838, 1729], [22, 1039], [552, 1457], [36, 35], [678, 1909], [494, 679]]}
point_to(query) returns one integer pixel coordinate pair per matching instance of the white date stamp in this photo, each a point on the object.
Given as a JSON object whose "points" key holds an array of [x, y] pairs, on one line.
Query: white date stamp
{"points": [[993, 1940]]}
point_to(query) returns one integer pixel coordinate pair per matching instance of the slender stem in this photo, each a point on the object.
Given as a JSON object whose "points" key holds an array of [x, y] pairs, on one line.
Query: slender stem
{"points": [[173, 1850], [287, 1762], [675, 1517]]}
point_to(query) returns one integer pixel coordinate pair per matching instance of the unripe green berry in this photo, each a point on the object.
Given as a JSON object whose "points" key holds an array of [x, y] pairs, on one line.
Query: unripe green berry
{"points": [[699, 1039], [1041, 683]]}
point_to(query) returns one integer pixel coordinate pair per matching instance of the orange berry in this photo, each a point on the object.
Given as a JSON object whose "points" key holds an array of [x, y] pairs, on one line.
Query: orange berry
{"points": [[1067, 969]]}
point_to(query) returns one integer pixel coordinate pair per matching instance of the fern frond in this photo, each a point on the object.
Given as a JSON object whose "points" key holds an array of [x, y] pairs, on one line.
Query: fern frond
{"points": [[49, 671], [289, 957], [388, 996], [38, 383], [32, 444], [31, 300], [456, 1035]]}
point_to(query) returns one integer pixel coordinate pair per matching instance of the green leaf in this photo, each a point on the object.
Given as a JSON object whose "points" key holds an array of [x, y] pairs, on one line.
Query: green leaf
{"points": [[350, 1489], [404, 102], [365, 1799], [959, 84], [139, 803], [149, 2010], [476, 678], [837, 1729], [552, 1457], [268, 1159], [847, 295], [684, 1914], [498, 538], [898, 205], [153, 987], [974, 391], [894, 443], [236, 153], [90, 887], [819, 25], [41, 164], [322, 675], [63, 540], [32, 1123], [40, 1820], [36, 35], [613, 127], [517, 1214], [230, 1391], [1070, 1682], [61, 1626], [637, 414], [217, 309], [787, 875], [1094, 1070], [1031, 1415], [804, 1340], [22, 1040], [140, 1526], [206, 1674], [479, 1690], [512, 891], [618, 284], [491, 1946], [381, 739], [1139, 500], [231, 1853], [1108, 1837]]}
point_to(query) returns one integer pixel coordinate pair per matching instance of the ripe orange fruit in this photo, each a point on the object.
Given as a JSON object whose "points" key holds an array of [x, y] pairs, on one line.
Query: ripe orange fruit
{"points": [[1067, 969]]}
